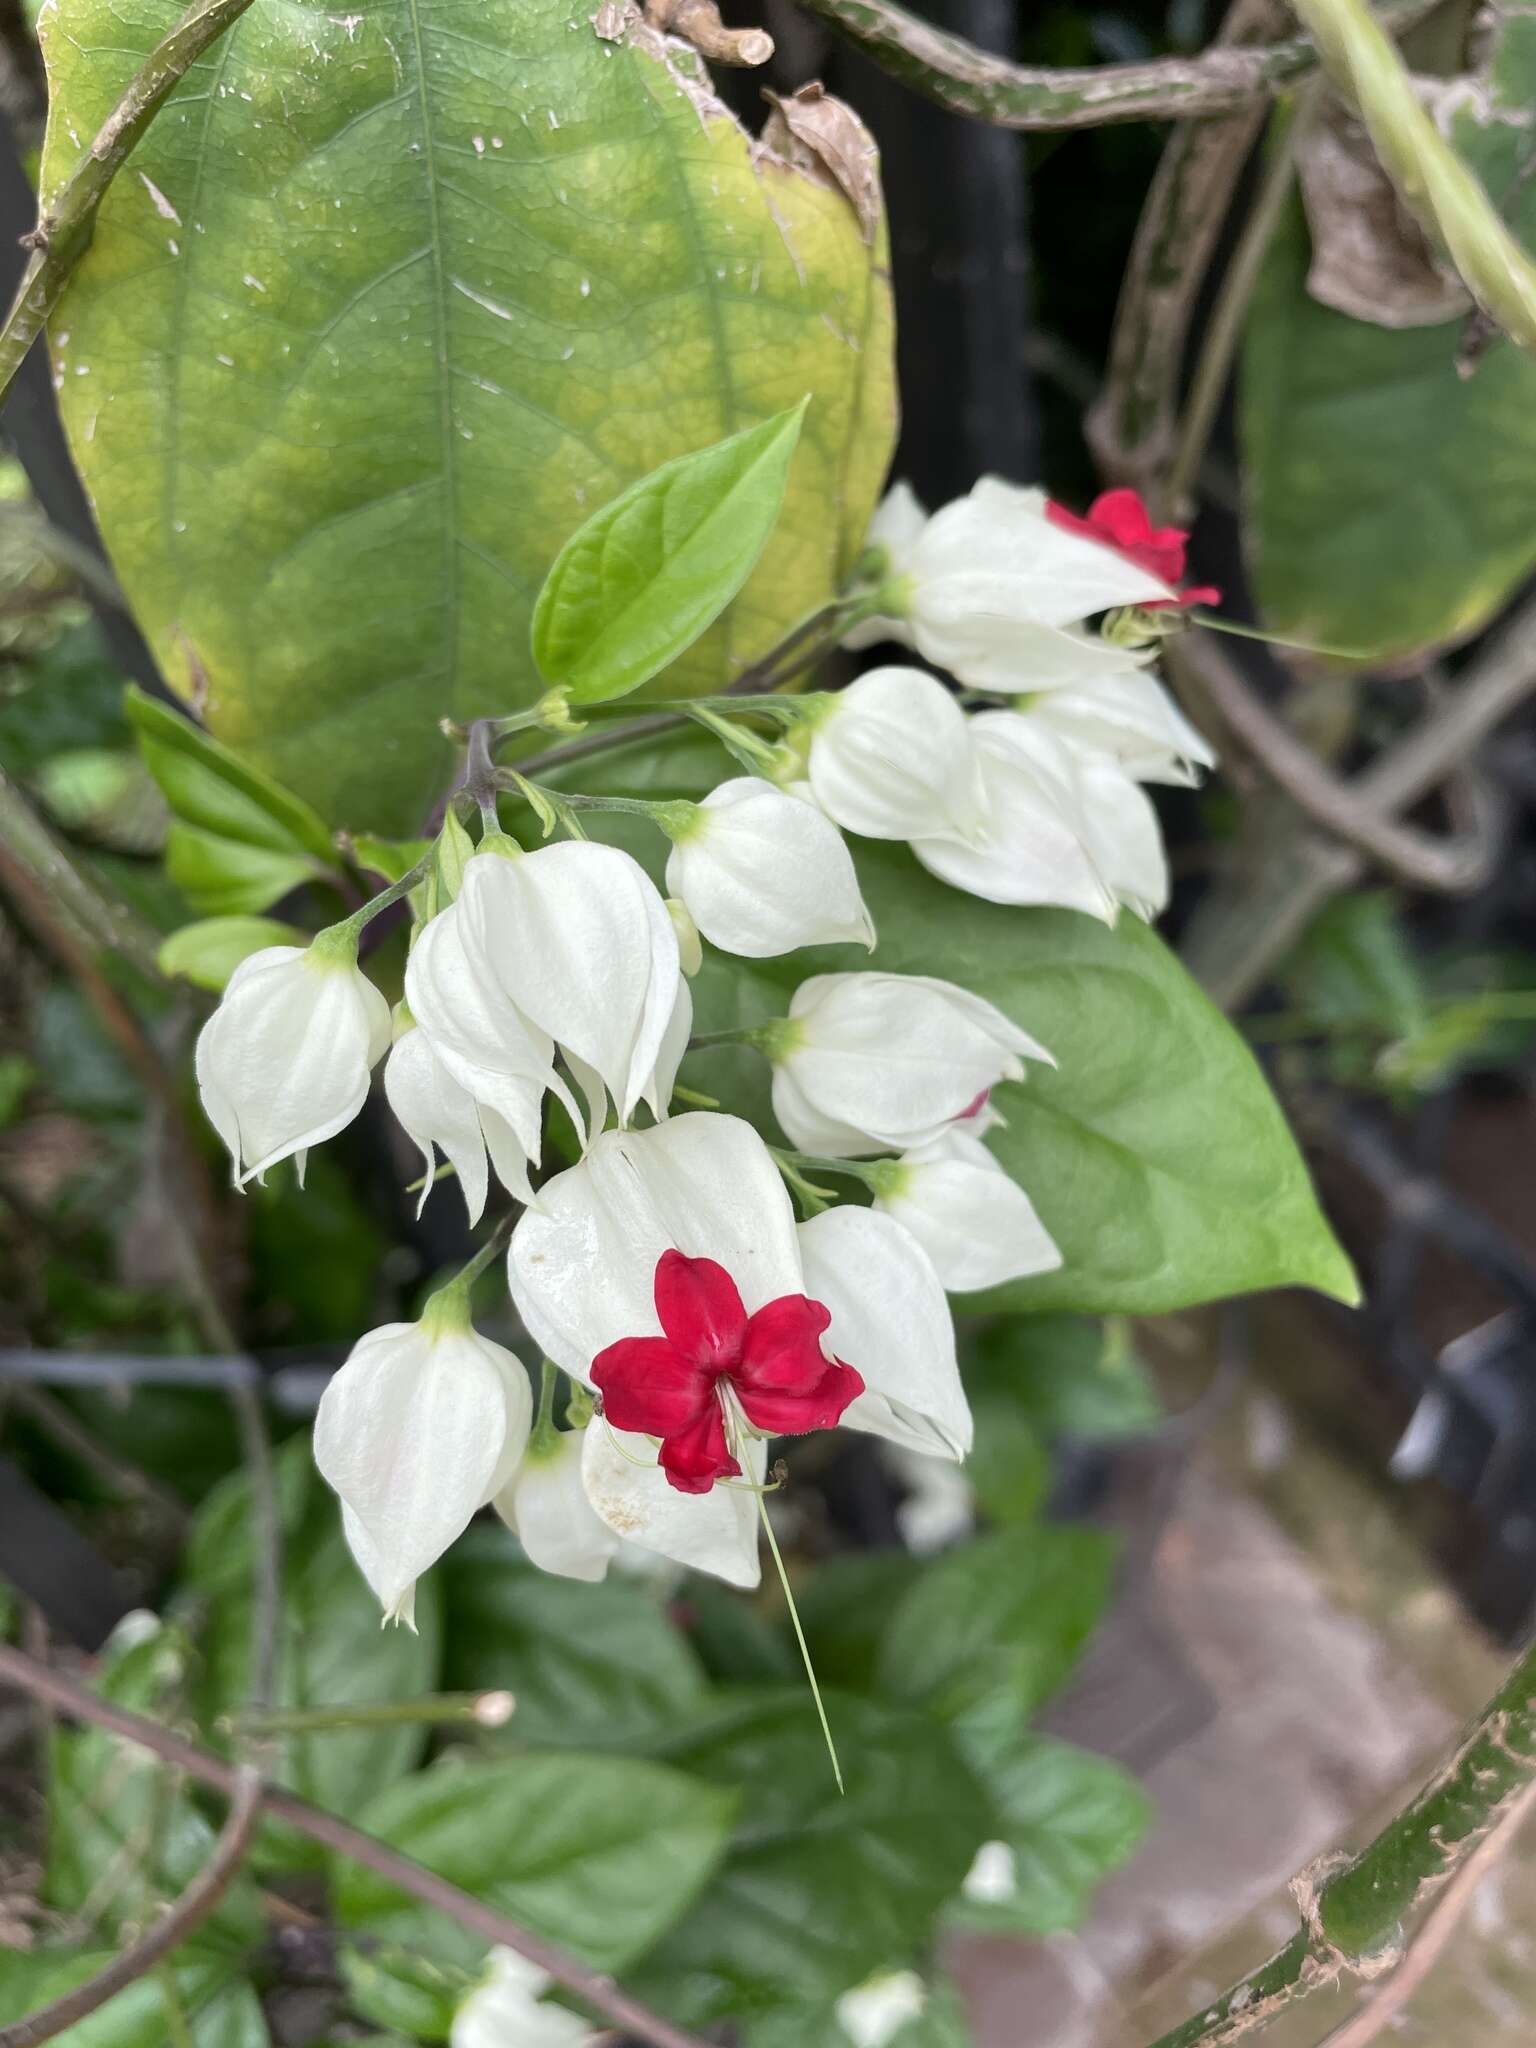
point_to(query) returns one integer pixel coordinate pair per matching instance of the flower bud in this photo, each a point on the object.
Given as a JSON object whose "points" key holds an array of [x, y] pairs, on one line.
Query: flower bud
{"points": [[875, 2012], [892, 758], [690, 953], [506, 2010], [283, 1063], [423, 1425], [870, 1063], [763, 873], [972, 1218]]}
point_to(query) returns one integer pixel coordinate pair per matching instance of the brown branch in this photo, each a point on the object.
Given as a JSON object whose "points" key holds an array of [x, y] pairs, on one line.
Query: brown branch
{"points": [[1428, 1944], [591, 1986], [967, 80], [189, 1912]]}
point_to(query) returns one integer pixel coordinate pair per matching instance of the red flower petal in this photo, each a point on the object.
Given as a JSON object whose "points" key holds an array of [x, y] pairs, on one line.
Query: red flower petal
{"points": [[1120, 517], [1201, 593], [1119, 520], [700, 1310], [694, 1458], [647, 1386], [782, 1352], [777, 1413]]}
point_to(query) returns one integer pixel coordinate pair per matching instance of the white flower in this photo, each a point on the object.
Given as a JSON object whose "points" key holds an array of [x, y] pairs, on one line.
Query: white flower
{"points": [[669, 1055], [872, 1062], [545, 1506], [891, 1323], [1124, 836], [646, 1272], [875, 2012], [971, 1217], [993, 1877], [578, 938], [1033, 845], [283, 1062], [986, 586], [435, 1110], [423, 1425], [938, 1506], [891, 757], [763, 873], [505, 2010], [501, 1061], [1127, 715]]}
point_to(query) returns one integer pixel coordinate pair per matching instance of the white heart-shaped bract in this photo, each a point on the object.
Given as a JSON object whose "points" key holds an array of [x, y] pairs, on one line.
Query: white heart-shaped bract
{"points": [[284, 1061], [892, 757], [894, 532], [437, 1113], [1036, 847], [970, 1216], [582, 1267], [891, 1323], [421, 1426], [1127, 715], [674, 1043], [488, 1046], [763, 873], [714, 1532], [545, 1506], [505, 2010], [579, 939], [882, 1062], [1124, 836]]}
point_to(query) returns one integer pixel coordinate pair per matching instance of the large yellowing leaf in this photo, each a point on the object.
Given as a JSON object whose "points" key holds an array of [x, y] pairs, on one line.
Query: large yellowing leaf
{"points": [[389, 300]]}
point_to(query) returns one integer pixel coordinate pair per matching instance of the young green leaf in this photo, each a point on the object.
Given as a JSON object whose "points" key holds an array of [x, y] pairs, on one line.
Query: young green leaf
{"points": [[209, 951], [635, 587]]}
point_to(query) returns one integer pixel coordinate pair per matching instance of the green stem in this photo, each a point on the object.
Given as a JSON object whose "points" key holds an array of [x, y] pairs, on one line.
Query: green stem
{"points": [[1444, 195], [488, 1709], [1354, 1918], [805, 1648], [64, 226], [965, 79], [36, 862]]}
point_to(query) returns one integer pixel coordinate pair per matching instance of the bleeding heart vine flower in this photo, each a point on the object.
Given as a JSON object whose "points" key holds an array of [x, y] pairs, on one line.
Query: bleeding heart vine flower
{"points": [[545, 1506], [970, 1216], [1127, 716], [284, 1061], [1034, 843], [578, 939], [1124, 836], [986, 587], [423, 1425], [762, 873], [868, 1063], [1118, 520], [875, 2012], [439, 1114], [666, 1271], [506, 2009], [891, 757]]}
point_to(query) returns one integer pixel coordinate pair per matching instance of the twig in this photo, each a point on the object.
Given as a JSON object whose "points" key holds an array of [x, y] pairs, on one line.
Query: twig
{"points": [[966, 80], [1352, 1914], [267, 1560], [189, 1912], [1428, 1945], [31, 858], [596, 1990], [65, 225], [482, 1709], [1131, 425]]}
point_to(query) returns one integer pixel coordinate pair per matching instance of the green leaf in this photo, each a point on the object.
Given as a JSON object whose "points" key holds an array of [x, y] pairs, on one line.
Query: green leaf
{"points": [[332, 1650], [1066, 1375], [1155, 1153], [845, 1606], [210, 787], [425, 303], [123, 1839], [1001, 1620], [209, 951], [599, 1853], [634, 587], [587, 1664], [1069, 1818], [1392, 503], [1353, 969], [816, 1891], [220, 2012]]}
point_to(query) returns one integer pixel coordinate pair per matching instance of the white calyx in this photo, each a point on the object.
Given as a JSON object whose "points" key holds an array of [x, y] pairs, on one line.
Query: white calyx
{"points": [[763, 873]]}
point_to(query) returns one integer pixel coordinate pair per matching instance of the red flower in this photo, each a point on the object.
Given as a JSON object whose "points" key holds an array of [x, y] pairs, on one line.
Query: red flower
{"points": [[673, 1386], [1119, 519]]}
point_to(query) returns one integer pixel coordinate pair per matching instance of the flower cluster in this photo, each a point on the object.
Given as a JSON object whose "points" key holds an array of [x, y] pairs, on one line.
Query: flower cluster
{"points": [[1037, 800], [663, 1272]]}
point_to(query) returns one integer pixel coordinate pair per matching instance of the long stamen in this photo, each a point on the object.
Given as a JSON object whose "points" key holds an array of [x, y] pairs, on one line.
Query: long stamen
{"points": [[805, 1653]]}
